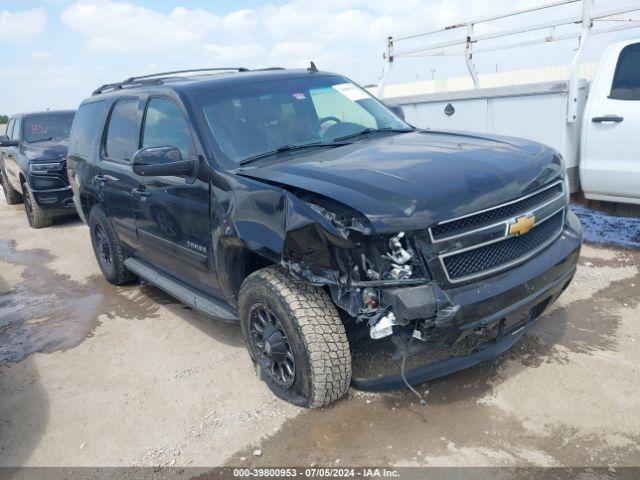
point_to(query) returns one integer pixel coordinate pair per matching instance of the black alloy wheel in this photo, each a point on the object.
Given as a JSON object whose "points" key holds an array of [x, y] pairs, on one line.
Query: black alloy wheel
{"points": [[271, 346], [103, 249]]}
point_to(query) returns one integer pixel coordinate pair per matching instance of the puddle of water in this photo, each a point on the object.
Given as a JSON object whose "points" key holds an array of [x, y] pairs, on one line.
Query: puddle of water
{"points": [[48, 311]]}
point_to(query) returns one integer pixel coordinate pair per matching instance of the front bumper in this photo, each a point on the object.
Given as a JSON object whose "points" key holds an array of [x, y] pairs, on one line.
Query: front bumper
{"points": [[502, 307], [55, 202]]}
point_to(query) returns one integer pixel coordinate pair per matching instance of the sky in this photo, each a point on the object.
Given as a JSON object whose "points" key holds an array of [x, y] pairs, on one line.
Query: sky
{"points": [[53, 53]]}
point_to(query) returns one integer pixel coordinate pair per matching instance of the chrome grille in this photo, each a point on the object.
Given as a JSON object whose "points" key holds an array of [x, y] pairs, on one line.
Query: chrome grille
{"points": [[486, 218], [494, 239], [485, 259]]}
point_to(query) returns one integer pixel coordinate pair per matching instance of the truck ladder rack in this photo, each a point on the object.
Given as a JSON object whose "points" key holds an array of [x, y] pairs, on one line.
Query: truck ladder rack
{"points": [[470, 39]]}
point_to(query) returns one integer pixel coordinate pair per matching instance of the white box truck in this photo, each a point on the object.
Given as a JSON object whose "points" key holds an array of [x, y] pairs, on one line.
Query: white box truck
{"points": [[594, 124]]}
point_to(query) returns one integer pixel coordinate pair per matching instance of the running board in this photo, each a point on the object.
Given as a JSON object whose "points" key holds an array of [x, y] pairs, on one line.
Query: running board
{"points": [[185, 294]]}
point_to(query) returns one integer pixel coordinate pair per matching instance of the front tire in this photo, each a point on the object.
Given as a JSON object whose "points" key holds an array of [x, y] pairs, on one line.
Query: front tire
{"points": [[107, 248], [12, 196], [296, 337], [35, 214]]}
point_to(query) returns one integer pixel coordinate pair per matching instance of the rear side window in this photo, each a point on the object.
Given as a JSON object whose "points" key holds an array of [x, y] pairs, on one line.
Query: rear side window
{"points": [[123, 130], [626, 81], [86, 128], [165, 124]]}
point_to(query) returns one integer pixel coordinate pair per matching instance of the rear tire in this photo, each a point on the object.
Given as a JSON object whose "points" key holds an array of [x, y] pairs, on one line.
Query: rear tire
{"points": [[107, 248], [302, 348], [35, 214], [12, 196]]}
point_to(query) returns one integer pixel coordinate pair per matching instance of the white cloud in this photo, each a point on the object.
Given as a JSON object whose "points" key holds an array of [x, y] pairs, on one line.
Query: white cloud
{"points": [[231, 55], [114, 39], [21, 25], [120, 26], [40, 55]]}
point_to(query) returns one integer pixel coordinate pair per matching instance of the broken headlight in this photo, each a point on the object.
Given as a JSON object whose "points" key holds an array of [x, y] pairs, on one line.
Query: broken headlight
{"points": [[392, 258], [399, 257]]}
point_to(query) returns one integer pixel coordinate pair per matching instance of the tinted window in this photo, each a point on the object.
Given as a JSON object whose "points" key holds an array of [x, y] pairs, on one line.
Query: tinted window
{"points": [[626, 81], [47, 126], [15, 134], [165, 124], [123, 131], [85, 128], [9, 128]]}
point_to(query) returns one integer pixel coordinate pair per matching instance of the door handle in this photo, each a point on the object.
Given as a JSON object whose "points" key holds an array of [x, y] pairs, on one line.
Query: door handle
{"points": [[140, 193], [103, 179], [607, 118]]}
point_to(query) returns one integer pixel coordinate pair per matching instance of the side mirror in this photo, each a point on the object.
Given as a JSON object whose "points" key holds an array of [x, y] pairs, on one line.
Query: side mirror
{"points": [[397, 109], [165, 161], [7, 142]]}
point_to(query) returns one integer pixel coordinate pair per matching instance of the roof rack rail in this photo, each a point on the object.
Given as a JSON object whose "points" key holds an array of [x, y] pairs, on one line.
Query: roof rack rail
{"points": [[267, 69], [157, 78]]}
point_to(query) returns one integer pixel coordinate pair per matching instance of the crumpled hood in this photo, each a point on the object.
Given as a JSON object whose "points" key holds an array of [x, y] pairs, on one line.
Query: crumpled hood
{"points": [[414, 180], [49, 151]]}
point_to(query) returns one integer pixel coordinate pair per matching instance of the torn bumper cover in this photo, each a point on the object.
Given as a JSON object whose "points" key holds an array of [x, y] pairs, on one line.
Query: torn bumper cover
{"points": [[485, 319]]}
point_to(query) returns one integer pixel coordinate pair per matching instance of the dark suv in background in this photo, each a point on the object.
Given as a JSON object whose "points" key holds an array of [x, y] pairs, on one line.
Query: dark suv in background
{"points": [[349, 245], [33, 155]]}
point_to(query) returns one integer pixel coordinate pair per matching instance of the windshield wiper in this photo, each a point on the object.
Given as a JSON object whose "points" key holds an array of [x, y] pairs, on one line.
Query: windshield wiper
{"points": [[289, 148], [366, 131], [41, 140]]}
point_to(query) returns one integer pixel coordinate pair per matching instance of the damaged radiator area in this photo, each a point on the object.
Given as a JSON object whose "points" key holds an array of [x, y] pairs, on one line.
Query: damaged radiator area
{"points": [[380, 282]]}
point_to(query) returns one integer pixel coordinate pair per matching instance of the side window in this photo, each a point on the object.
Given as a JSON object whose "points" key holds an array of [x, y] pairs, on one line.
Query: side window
{"points": [[165, 124], [10, 128], [86, 127], [15, 134], [123, 130], [626, 80]]}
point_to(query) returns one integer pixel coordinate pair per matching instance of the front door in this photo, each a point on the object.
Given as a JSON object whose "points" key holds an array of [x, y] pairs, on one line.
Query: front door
{"points": [[173, 213], [114, 179], [11, 157], [8, 134], [610, 162]]}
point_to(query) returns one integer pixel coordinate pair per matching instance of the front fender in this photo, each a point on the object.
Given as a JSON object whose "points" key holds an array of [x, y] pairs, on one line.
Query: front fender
{"points": [[260, 224]]}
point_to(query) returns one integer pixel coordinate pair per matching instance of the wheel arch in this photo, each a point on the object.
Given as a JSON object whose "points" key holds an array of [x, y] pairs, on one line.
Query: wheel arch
{"points": [[87, 202], [236, 263]]}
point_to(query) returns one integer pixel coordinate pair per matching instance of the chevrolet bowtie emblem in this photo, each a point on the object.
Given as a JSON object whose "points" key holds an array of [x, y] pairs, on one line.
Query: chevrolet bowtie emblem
{"points": [[522, 225]]}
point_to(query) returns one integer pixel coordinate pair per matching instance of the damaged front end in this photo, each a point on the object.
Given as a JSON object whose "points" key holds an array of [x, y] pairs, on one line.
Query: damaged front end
{"points": [[380, 282], [396, 306]]}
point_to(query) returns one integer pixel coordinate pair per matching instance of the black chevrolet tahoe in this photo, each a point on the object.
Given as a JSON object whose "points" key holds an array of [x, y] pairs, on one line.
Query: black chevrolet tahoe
{"points": [[351, 247], [33, 168]]}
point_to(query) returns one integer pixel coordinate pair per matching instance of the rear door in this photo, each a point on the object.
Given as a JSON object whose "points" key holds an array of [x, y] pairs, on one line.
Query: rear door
{"points": [[114, 179], [610, 158], [173, 213]]}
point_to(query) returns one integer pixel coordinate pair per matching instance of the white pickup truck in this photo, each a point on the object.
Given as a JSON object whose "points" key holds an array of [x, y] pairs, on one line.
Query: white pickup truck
{"points": [[594, 124]]}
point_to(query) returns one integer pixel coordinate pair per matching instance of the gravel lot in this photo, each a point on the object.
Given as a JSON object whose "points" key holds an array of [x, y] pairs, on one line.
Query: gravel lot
{"points": [[97, 375]]}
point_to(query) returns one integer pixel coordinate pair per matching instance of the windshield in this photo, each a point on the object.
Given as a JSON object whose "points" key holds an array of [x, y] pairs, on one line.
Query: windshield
{"points": [[250, 119], [47, 126]]}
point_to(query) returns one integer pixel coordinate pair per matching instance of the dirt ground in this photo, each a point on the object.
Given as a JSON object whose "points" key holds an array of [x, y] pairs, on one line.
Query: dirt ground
{"points": [[97, 375]]}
